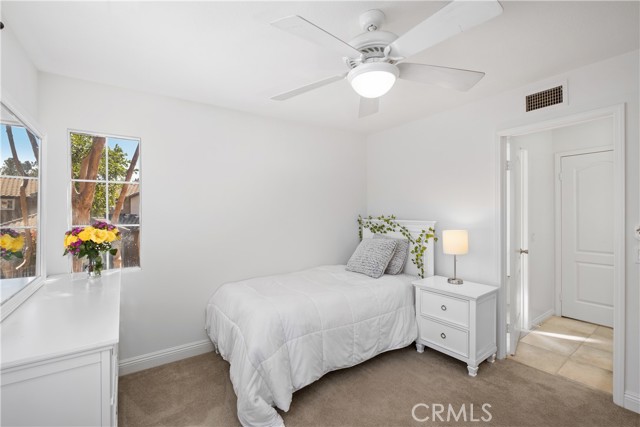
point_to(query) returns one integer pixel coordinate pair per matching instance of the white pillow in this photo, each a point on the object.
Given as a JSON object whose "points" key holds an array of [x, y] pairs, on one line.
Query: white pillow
{"points": [[372, 256]]}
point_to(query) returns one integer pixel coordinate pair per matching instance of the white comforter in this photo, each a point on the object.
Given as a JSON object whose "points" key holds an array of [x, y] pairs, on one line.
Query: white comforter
{"points": [[281, 333]]}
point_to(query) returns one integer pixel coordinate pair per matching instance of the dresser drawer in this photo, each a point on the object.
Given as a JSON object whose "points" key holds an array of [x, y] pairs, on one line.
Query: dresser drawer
{"points": [[449, 309], [444, 336]]}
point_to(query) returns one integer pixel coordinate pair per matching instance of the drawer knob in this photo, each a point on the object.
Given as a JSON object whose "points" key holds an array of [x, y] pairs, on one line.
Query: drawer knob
{"points": [[443, 307], [443, 336]]}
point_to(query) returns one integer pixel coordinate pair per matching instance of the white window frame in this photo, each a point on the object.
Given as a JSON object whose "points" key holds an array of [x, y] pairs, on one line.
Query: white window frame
{"points": [[10, 206], [22, 295], [106, 181]]}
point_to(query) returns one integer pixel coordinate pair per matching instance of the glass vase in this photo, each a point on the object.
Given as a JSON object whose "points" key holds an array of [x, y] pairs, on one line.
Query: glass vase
{"points": [[93, 267]]}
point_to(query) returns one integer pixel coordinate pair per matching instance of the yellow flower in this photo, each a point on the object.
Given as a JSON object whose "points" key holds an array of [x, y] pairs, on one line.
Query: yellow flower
{"points": [[17, 244], [98, 236], [111, 236], [85, 235], [70, 239], [6, 241]]}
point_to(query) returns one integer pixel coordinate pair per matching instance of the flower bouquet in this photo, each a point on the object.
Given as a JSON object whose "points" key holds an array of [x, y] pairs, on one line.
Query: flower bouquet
{"points": [[11, 244], [91, 242]]}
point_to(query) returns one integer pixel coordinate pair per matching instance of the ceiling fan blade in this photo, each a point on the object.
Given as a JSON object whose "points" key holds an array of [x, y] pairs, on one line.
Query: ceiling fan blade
{"points": [[368, 106], [450, 78], [300, 27], [454, 18], [307, 88]]}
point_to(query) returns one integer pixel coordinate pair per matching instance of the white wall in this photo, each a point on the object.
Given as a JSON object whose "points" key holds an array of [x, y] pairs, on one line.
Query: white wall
{"points": [[18, 75], [596, 133], [443, 168], [225, 196], [542, 147]]}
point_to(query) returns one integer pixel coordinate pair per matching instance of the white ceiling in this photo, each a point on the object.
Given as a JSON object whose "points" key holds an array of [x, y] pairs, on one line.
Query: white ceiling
{"points": [[227, 54]]}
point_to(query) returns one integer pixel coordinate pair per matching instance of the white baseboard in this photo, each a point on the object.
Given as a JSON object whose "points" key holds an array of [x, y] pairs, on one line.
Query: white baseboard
{"points": [[632, 402], [540, 319], [161, 357]]}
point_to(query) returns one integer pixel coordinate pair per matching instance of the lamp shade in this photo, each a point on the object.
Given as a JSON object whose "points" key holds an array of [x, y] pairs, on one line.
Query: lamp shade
{"points": [[372, 80], [455, 242]]}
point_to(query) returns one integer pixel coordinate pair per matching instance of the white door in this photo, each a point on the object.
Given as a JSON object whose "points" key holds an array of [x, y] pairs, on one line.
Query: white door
{"points": [[518, 233], [587, 237]]}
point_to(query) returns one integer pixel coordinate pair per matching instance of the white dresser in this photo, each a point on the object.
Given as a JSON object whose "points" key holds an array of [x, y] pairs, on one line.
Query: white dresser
{"points": [[458, 320], [60, 355]]}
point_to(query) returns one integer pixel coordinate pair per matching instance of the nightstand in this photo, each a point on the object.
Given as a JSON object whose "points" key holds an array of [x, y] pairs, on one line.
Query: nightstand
{"points": [[457, 320]]}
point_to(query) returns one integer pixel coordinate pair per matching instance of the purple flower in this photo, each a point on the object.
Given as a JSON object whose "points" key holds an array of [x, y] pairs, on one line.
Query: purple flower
{"points": [[10, 232], [102, 225], [76, 230]]}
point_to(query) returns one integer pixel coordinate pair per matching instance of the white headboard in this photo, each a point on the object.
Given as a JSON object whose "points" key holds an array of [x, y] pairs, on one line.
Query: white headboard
{"points": [[415, 228]]}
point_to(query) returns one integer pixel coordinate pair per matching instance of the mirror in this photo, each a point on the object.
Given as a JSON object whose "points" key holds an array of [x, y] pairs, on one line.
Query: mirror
{"points": [[20, 185]]}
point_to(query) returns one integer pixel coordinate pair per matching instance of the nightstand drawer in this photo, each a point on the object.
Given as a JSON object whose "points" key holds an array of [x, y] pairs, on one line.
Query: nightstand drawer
{"points": [[443, 307], [444, 336]]}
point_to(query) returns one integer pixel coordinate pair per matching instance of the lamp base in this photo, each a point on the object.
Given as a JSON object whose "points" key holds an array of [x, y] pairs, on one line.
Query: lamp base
{"points": [[455, 281]]}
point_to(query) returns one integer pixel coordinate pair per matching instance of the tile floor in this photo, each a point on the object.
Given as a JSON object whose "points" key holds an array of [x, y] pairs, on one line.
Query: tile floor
{"points": [[572, 349]]}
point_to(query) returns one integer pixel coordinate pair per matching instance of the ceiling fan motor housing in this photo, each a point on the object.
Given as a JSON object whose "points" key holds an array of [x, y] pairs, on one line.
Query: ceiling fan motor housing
{"points": [[372, 46]]}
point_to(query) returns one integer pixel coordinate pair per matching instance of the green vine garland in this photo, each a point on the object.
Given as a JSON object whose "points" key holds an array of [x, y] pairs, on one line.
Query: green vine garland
{"points": [[386, 224]]}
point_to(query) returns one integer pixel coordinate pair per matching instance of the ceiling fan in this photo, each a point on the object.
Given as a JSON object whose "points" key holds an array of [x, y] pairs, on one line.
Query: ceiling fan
{"points": [[375, 58]]}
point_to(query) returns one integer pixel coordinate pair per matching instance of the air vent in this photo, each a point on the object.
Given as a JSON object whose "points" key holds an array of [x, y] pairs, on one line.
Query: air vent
{"points": [[545, 98]]}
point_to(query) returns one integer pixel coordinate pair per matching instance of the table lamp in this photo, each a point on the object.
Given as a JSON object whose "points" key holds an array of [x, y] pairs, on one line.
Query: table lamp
{"points": [[455, 242]]}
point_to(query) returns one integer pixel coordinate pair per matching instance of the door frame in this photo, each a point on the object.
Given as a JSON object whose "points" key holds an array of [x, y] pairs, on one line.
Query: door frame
{"points": [[617, 113], [557, 308]]}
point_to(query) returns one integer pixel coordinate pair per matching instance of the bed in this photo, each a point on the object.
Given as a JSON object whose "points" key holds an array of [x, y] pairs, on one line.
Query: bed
{"points": [[281, 333]]}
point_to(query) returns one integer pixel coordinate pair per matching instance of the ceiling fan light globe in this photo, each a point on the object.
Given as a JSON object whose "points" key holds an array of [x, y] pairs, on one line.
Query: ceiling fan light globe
{"points": [[374, 79]]}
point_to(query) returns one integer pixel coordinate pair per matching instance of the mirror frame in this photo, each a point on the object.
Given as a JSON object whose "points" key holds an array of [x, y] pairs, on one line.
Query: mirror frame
{"points": [[22, 295]]}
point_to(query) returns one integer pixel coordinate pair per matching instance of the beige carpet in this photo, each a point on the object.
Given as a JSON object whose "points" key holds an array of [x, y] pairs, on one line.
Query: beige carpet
{"points": [[380, 392]]}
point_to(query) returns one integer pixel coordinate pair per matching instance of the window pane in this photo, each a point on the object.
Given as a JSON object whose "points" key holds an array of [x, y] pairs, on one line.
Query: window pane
{"points": [[23, 241], [88, 157], [88, 202], [124, 203], [20, 151], [123, 160], [128, 248], [11, 202]]}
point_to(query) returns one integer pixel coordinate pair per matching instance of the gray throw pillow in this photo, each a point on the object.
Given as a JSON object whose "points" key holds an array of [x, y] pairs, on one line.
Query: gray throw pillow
{"points": [[371, 257], [399, 259]]}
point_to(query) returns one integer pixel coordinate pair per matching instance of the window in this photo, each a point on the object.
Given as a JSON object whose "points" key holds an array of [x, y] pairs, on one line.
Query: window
{"points": [[105, 186], [20, 260], [8, 204]]}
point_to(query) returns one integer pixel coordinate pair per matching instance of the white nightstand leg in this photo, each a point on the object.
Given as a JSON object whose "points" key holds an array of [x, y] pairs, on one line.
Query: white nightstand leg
{"points": [[473, 370], [420, 348], [492, 358]]}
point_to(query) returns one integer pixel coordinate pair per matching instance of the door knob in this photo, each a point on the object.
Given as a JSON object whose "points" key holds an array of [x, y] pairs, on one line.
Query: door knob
{"points": [[524, 251]]}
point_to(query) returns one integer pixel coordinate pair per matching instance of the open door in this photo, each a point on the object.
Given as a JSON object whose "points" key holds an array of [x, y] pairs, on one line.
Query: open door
{"points": [[519, 243]]}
